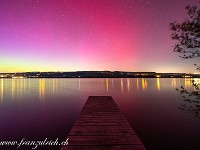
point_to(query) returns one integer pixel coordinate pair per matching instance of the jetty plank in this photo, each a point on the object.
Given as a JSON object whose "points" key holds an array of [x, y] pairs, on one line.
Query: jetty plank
{"points": [[100, 126]]}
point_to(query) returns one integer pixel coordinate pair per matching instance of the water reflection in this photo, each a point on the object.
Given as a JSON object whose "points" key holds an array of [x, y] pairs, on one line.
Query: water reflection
{"points": [[107, 84], [145, 103], [196, 83], [174, 83], [158, 83], [137, 83], [21, 88], [128, 84], [49, 87], [79, 84], [2, 89], [190, 93], [53, 86], [122, 85], [187, 83], [13, 88], [42, 89], [144, 84]]}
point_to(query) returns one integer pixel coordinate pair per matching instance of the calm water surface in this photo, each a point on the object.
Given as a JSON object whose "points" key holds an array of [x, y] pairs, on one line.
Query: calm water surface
{"points": [[36, 109]]}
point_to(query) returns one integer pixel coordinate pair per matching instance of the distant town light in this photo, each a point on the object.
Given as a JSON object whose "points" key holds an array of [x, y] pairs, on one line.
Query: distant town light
{"points": [[186, 76], [18, 77], [157, 76]]}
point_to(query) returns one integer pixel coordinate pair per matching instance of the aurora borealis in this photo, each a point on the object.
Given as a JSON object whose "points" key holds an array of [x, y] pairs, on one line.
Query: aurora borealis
{"points": [[78, 35]]}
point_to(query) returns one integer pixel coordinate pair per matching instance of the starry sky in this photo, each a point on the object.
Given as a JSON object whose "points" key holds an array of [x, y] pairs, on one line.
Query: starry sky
{"points": [[79, 35]]}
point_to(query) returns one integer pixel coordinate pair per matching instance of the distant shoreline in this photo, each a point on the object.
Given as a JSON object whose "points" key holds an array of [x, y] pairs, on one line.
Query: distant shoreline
{"points": [[97, 74], [98, 77]]}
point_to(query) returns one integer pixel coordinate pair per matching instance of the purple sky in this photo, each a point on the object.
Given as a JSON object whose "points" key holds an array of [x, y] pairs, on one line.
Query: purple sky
{"points": [[73, 35]]}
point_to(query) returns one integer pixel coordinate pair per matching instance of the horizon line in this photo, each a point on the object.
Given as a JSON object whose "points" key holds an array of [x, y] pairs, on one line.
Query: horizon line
{"points": [[101, 71]]}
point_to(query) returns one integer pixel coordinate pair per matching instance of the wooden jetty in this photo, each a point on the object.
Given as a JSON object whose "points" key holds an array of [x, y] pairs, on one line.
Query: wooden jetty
{"points": [[102, 126]]}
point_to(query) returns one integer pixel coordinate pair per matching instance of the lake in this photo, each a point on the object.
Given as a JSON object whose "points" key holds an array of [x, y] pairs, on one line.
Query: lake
{"points": [[35, 109]]}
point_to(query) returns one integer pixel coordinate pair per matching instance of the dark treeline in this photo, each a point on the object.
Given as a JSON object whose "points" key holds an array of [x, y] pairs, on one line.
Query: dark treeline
{"points": [[97, 74]]}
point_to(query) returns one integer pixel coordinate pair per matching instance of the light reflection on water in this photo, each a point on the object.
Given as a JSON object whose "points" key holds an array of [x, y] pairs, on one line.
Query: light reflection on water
{"points": [[42, 87], [51, 106], [2, 90], [158, 83]]}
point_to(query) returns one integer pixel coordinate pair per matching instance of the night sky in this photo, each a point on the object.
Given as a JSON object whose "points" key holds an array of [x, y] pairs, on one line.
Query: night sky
{"points": [[73, 35]]}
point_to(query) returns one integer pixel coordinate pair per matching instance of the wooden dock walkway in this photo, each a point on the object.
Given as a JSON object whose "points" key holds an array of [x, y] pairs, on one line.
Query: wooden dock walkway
{"points": [[102, 126]]}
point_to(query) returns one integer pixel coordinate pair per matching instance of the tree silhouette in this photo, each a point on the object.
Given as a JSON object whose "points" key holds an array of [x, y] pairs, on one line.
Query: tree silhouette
{"points": [[191, 99], [187, 35]]}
